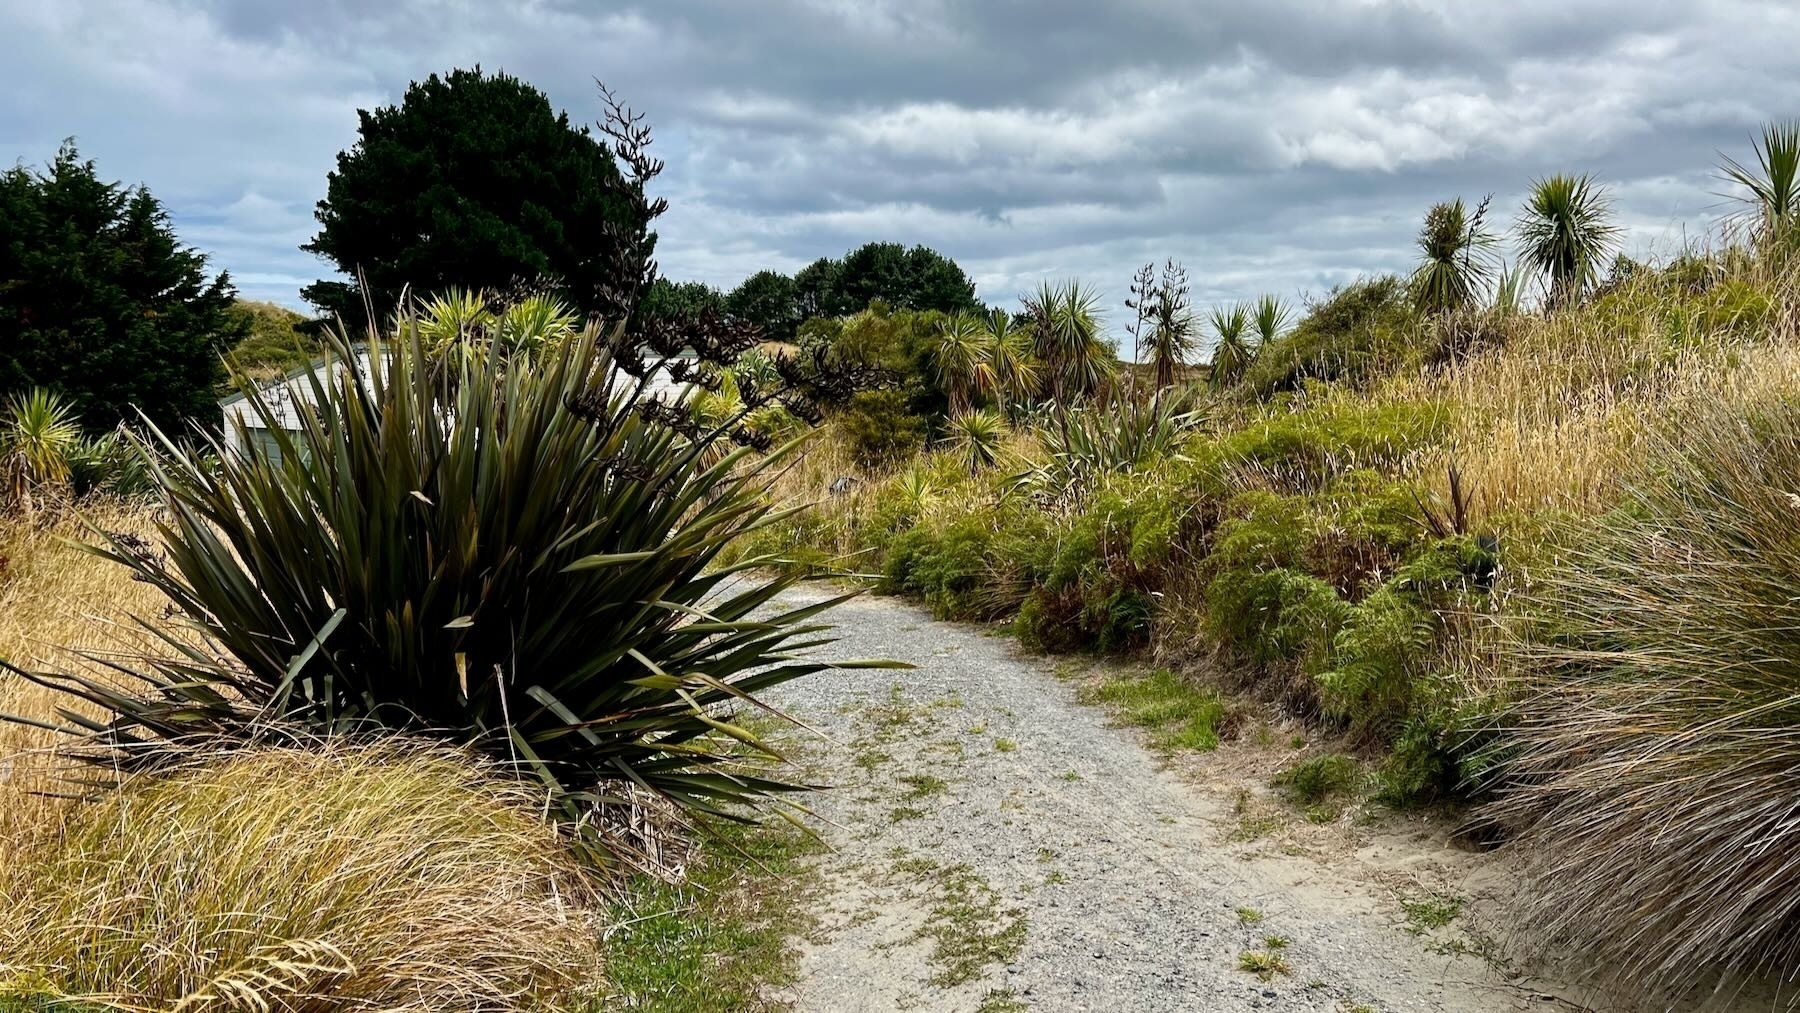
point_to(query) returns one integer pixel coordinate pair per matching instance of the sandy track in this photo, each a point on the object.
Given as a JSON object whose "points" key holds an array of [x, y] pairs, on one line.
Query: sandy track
{"points": [[997, 843]]}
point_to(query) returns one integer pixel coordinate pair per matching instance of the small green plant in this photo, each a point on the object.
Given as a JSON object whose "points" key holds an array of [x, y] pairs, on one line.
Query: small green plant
{"points": [[922, 786], [969, 928], [1005, 745], [1249, 916], [1178, 714], [1315, 780], [1430, 911], [1265, 964]]}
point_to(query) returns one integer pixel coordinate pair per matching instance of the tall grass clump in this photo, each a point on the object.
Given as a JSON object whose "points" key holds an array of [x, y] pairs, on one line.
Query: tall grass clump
{"points": [[321, 879], [501, 550], [1657, 725]]}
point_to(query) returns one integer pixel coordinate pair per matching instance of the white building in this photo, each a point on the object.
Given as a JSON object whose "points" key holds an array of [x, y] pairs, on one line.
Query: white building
{"points": [[245, 426]]}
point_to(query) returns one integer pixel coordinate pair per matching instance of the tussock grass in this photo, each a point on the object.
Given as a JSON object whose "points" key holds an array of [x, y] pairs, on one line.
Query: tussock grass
{"points": [[373, 878], [342, 878], [1656, 732]]}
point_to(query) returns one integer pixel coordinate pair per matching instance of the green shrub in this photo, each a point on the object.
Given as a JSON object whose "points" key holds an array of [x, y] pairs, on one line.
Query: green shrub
{"points": [[1052, 620], [496, 551], [881, 429], [1653, 740], [1376, 658], [948, 573], [1262, 530], [1427, 761], [1275, 615], [1309, 447], [1321, 777], [1357, 332]]}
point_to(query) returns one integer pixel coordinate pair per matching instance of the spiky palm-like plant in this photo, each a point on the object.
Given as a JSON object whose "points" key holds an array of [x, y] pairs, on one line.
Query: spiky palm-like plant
{"points": [[1010, 361], [1173, 334], [1565, 234], [1233, 347], [1456, 263], [1069, 340], [976, 437], [534, 323], [450, 316], [961, 355], [1107, 440], [39, 438], [467, 320], [511, 553], [1770, 193], [1270, 317], [1509, 290]]}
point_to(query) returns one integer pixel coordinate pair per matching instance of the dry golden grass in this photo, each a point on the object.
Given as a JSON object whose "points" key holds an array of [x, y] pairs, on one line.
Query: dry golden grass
{"points": [[1552, 420], [375, 878], [56, 600], [340, 878]]}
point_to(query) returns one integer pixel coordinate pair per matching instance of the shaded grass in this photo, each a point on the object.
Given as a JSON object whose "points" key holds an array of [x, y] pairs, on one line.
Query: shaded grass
{"points": [[1320, 778], [722, 939]]}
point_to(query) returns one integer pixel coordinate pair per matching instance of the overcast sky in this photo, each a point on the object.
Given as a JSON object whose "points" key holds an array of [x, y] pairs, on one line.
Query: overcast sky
{"points": [[1279, 146]]}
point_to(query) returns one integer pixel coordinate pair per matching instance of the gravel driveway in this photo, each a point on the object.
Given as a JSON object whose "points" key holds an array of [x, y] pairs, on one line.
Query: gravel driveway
{"points": [[998, 846]]}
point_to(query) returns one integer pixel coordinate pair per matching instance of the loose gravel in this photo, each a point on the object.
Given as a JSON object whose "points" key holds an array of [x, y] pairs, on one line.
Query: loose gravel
{"points": [[998, 846]]}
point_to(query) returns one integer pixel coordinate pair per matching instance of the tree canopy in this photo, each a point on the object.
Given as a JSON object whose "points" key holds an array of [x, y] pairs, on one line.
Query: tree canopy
{"points": [[767, 299], [101, 302], [473, 181], [665, 298], [917, 279]]}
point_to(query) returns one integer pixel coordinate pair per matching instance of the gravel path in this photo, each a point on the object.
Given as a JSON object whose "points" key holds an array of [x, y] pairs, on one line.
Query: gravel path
{"points": [[998, 846]]}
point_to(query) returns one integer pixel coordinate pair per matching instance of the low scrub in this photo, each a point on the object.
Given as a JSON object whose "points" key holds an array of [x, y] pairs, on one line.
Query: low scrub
{"points": [[313, 881], [1356, 333]]}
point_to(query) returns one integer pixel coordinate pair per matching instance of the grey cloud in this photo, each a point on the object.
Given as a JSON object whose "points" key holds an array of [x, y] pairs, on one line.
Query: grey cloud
{"points": [[1280, 146]]}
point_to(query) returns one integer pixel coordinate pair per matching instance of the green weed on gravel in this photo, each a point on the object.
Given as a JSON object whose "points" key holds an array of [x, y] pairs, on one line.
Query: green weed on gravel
{"points": [[1178, 715], [720, 940], [1430, 911], [1265, 964], [968, 927]]}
